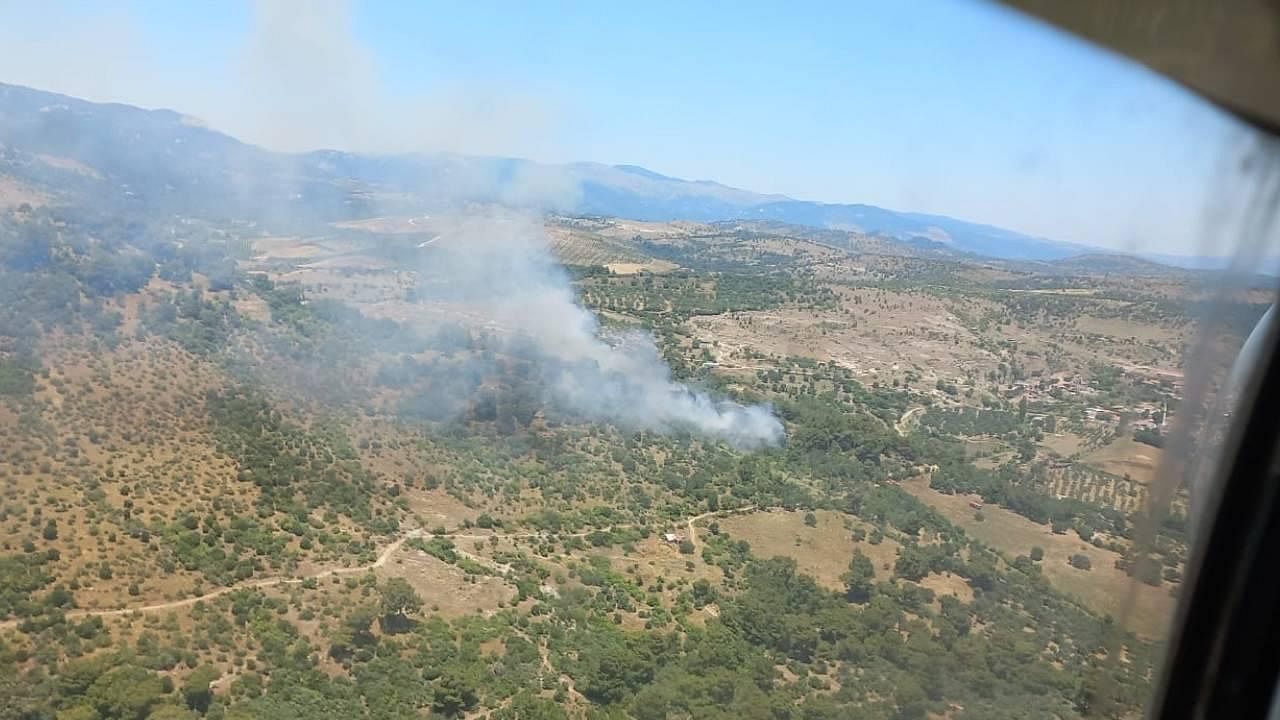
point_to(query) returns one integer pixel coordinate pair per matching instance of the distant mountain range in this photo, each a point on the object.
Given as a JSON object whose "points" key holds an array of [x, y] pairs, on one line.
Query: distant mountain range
{"points": [[129, 157]]}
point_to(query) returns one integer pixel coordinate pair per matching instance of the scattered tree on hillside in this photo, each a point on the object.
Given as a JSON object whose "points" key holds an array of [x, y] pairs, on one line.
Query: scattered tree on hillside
{"points": [[399, 600], [860, 579]]}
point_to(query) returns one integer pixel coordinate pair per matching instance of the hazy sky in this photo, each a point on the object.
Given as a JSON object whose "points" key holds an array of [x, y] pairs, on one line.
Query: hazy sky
{"points": [[950, 107]]}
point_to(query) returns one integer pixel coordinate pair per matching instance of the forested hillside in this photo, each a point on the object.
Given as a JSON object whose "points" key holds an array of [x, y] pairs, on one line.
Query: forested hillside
{"points": [[279, 466]]}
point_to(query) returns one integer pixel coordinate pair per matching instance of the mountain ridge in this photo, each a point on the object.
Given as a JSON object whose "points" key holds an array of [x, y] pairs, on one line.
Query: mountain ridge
{"points": [[161, 157]]}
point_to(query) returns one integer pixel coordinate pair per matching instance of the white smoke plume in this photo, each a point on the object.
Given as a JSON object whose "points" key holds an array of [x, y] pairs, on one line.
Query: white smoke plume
{"points": [[498, 259], [303, 80], [499, 263]]}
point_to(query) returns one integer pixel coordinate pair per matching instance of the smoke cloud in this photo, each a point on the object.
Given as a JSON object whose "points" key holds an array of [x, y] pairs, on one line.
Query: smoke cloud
{"points": [[498, 264], [497, 261], [301, 79]]}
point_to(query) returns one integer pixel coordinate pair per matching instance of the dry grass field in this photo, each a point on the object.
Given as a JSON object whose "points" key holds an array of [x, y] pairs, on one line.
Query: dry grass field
{"points": [[1128, 458], [1064, 444], [822, 551], [445, 588], [14, 194], [880, 335]]}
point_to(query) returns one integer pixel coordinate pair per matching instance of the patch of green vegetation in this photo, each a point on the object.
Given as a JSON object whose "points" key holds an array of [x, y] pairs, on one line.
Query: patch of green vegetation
{"points": [[17, 375], [21, 576], [681, 295], [297, 470]]}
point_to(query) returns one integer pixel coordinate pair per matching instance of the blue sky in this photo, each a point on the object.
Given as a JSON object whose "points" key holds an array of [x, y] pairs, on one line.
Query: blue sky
{"points": [[957, 108]]}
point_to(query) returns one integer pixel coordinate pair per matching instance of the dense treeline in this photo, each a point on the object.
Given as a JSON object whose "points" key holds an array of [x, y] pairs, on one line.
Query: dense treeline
{"points": [[681, 295], [972, 421], [1149, 436], [296, 470], [841, 444]]}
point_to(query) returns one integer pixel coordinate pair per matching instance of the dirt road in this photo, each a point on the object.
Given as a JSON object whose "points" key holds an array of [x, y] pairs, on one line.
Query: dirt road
{"points": [[904, 422], [383, 557], [381, 560]]}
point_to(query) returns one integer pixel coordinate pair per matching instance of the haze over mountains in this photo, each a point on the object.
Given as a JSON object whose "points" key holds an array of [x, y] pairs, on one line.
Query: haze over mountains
{"points": [[51, 144]]}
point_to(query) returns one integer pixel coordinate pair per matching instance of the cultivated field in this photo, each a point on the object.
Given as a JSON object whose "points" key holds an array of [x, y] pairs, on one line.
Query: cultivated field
{"points": [[1104, 588]]}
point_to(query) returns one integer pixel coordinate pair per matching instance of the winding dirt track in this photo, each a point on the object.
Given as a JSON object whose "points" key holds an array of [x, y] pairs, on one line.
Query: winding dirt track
{"points": [[385, 555], [902, 426]]}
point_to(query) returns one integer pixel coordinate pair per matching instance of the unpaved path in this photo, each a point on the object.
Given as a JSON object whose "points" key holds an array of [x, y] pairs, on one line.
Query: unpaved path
{"points": [[382, 559], [904, 422], [384, 556], [693, 531], [691, 522]]}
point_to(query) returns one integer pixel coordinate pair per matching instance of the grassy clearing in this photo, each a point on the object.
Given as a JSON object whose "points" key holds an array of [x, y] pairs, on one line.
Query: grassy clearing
{"points": [[1124, 329], [983, 447], [1127, 457], [1064, 443], [574, 246], [822, 551], [948, 584], [657, 559], [444, 588], [632, 268]]}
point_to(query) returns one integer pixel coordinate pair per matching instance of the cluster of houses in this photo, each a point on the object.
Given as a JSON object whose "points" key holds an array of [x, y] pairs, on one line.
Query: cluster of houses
{"points": [[1142, 416], [1051, 388]]}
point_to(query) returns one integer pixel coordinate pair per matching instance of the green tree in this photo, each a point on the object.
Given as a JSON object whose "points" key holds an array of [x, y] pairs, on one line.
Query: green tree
{"points": [[352, 632], [810, 519], [399, 600], [127, 692], [1148, 570], [196, 691], [955, 613], [1037, 553], [860, 580], [527, 706], [172, 712], [912, 563], [77, 676], [910, 698], [702, 593], [453, 695]]}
